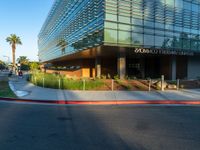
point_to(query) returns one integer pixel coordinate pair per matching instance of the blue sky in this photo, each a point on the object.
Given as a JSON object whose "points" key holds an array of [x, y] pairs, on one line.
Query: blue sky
{"points": [[25, 19]]}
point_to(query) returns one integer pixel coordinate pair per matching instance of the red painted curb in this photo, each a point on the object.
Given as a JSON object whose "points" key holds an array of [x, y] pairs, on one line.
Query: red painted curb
{"points": [[107, 102]]}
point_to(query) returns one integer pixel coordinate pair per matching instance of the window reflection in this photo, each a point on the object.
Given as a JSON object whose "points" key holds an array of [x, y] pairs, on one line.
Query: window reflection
{"points": [[159, 40], [110, 36], [157, 23], [148, 41], [151, 23], [124, 37], [137, 39]]}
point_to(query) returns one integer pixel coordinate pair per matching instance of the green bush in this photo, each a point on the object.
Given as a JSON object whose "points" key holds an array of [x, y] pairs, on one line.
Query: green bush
{"points": [[103, 76], [60, 81], [109, 76], [116, 77]]}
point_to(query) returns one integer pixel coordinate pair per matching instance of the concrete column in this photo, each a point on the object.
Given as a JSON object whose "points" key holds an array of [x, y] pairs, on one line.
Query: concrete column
{"points": [[98, 67], [121, 65], [173, 67]]}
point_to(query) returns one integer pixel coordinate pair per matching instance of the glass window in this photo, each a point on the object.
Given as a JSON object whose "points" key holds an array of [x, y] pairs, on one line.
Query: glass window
{"points": [[111, 17], [187, 5], [198, 45], [148, 31], [159, 41], [159, 32], [148, 23], [137, 29], [195, 7], [124, 19], [176, 28], [111, 25], [177, 34], [193, 31], [186, 43], [177, 42], [169, 27], [170, 3], [124, 37], [194, 44], [161, 1], [186, 30], [159, 25], [171, 34], [124, 27], [148, 40], [168, 42], [137, 21], [110, 36], [137, 39], [179, 3]]}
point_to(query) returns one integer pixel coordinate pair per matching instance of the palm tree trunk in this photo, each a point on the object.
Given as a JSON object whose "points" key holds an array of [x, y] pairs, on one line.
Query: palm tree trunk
{"points": [[13, 56]]}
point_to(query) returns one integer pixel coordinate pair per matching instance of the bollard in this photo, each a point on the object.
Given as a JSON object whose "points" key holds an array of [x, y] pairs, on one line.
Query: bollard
{"points": [[84, 85], [178, 84], [162, 82], [150, 84], [112, 85]]}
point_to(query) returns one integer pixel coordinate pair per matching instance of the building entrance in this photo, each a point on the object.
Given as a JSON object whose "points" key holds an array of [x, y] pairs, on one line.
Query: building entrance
{"points": [[149, 67], [152, 67], [134, 68]]}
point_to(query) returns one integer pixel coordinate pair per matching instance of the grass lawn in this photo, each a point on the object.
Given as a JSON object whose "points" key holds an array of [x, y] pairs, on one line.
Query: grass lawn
{"points": [[5, 90]]}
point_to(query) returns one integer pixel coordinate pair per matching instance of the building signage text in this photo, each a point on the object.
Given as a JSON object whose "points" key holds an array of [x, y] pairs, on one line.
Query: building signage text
{"points": [[162, 52]]}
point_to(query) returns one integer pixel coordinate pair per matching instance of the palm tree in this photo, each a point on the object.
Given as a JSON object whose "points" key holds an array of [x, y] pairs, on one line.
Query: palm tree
{"points": [[13, 41], [23, 60], [24, 63]]}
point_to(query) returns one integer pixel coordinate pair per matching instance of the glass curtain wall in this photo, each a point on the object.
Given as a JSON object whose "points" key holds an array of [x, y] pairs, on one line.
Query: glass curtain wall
{"points": [[162, 24], [72, 25]]}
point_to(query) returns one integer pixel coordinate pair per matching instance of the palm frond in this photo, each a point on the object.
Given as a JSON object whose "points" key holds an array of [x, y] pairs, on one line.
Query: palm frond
{"points": [[14, 39]]}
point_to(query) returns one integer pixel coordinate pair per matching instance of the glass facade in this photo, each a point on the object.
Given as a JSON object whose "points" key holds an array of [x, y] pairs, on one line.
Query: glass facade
{"points": [[162, 24], [73, 25]]}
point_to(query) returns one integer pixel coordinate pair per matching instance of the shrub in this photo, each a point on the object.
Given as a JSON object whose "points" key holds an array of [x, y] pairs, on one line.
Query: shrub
{"points": [[109, 77], [52, 81], [116, 77], [103, 76]]}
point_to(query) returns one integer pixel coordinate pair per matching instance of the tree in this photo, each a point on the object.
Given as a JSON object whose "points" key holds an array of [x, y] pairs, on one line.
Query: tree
{"points": [[34, 66], [13, 40], [2, 65], [24, 61]]}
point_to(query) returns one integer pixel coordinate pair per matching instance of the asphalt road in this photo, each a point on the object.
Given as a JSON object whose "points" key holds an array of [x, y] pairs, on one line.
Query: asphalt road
{"points": [[49, 127]]}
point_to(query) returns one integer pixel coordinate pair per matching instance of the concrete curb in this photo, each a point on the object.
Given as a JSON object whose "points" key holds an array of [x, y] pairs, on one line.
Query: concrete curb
{"points": [[108, 102]]}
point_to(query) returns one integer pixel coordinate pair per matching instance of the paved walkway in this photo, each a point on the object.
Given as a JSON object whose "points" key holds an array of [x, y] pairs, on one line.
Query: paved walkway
{"points": [[26, 90]]}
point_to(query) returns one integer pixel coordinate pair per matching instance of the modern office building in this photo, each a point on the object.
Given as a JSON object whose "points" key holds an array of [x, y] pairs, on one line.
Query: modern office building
{"points": [[139, 38]]}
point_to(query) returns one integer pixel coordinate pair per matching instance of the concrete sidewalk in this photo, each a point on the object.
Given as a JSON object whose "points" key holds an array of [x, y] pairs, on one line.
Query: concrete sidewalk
{"points": [[26, 90]]}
